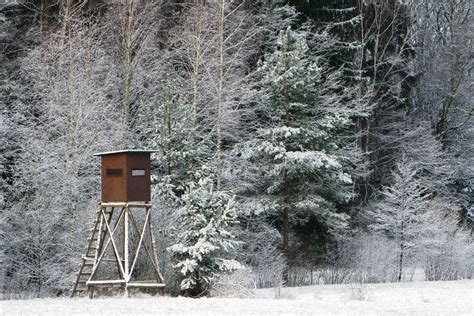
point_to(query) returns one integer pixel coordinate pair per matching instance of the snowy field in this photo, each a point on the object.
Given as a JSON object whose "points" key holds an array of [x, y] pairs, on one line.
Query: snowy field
{"points": [[420, 298]]}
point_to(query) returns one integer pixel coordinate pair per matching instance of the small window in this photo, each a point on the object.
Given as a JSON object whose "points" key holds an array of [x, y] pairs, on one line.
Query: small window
{"points": [[138, 172], [114, 172]]}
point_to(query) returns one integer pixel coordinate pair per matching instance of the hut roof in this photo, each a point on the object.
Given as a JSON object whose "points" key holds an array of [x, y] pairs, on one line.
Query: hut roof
{"points": [[135, 151]]}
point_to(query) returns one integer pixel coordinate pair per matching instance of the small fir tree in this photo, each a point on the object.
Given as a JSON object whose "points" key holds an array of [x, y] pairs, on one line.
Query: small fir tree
{"points": [[205, 239]]}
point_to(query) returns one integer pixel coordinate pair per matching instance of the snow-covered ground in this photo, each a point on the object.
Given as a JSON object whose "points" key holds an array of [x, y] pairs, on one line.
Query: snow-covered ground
{"points": [[420, 298]]}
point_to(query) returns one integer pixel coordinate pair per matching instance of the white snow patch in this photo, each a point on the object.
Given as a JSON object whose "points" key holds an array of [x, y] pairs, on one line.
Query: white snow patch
{"points": [[420, 298]]}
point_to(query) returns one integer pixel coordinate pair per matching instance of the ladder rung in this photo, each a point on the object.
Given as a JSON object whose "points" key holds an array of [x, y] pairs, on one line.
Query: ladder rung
{"points": [[87, 258], [138, 284], [105, 211], [84, 273]]}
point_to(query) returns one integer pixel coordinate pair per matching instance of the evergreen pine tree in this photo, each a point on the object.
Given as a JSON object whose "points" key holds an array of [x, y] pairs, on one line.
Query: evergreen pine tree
{"points": [[299, 152]]}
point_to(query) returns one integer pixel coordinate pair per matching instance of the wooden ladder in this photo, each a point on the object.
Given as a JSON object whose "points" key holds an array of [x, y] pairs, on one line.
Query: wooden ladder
{"points": [[92, 251]]}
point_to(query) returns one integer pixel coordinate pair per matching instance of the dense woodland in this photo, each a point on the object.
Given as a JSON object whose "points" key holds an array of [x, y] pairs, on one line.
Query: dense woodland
{"points": [[300, 142]]}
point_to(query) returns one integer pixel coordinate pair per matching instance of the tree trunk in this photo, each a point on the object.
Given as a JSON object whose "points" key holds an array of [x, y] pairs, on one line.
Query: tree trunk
{"points": [[400, 264], [168, 132], [45, 13], [285, 212], [220, 94], [402, 249], [286, 195], [128, 42]]}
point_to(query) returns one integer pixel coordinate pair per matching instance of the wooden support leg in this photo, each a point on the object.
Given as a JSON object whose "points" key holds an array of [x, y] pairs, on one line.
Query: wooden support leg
{"points": [[153, 250], [125, 241]]}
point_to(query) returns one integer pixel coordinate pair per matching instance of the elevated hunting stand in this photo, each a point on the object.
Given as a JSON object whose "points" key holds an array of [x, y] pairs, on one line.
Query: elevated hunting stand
{"points": [[121, 250]]}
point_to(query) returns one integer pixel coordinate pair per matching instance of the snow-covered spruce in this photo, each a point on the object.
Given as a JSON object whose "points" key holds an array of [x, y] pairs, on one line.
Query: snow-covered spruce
{"points": [[205, 240], [298, 150]]}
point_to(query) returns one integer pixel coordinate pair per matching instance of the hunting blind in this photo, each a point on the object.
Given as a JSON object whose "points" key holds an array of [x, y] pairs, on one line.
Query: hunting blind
{"points": [[125, 175], [121, 250]]}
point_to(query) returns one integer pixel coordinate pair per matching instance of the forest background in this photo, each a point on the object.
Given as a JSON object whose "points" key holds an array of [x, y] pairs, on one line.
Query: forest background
{"points": [[300, 142]]}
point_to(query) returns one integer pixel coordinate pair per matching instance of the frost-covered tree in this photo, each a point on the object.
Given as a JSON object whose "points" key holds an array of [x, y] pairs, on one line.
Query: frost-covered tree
{"points": [[402, 213], [215, 43], [134, 42], [69, 115], [167, 125], [260, 250], [205, 238], [447, 247], [298, 151], [444, 62]]}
